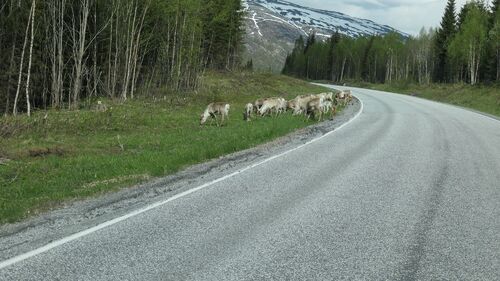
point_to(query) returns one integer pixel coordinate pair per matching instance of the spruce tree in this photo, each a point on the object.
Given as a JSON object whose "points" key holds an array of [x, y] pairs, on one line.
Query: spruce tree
{"points": [[310, 41], [445, 33], [365, 65], [493, 56], [333, 41]]}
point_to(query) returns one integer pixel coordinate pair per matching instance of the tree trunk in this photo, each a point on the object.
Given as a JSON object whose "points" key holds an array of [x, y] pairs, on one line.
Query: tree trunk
{"points": [[498, 64], [179, 64], [128, 52], [9, 79], [135, 67], [60, 56], [342, 70], [174, 50], [79, 45], [28, 105], [21, 64]]}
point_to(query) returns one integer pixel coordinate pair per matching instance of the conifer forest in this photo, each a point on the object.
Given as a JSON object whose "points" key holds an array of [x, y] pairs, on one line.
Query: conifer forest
{"points": [[464, 49]]}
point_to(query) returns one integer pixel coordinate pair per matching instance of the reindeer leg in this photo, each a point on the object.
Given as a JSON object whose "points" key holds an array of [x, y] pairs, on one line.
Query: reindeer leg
{"points": [[216, 120]]}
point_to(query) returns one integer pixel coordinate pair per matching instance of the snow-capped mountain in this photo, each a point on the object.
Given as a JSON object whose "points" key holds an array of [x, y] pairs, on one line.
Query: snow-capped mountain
{"points": [[273, 25]]}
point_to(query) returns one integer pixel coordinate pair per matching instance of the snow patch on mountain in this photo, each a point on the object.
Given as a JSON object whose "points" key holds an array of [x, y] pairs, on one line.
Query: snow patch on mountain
{"points": [[308, 19], [272, 26]]}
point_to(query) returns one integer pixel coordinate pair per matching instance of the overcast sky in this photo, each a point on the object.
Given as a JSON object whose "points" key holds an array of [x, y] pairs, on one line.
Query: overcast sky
{"points": [[405, 15]]}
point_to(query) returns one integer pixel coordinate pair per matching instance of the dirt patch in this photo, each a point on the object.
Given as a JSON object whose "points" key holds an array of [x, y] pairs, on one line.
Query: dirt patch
{"points": [[11, 129], [117, 180], [45, 151]]}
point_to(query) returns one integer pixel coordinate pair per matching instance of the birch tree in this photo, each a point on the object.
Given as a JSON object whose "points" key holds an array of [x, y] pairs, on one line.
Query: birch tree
{"points": [[21, 64], [28, 105], [469, 44], [79, 35]]}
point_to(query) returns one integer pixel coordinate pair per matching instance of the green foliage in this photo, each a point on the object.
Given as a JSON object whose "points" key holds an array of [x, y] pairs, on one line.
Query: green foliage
{"points": [[467, 51], [469, 45], [130, 48], [222, 22], [444, 35], [493, 56], [342, 57]]}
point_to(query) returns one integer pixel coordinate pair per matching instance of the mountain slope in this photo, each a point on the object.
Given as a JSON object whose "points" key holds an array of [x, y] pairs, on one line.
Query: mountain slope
{"points": [[273, 25]]}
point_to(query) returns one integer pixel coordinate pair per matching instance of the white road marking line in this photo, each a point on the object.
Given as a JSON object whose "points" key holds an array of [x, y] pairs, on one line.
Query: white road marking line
{"points": [[98, 227]]}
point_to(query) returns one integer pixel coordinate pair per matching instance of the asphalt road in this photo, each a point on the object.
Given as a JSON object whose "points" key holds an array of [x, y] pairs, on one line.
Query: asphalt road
{"points": [[409, 190]]}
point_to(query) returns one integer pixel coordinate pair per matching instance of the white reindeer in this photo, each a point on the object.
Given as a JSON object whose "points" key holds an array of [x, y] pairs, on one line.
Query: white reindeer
{"points": [[282, 106], [214, 109], [269, 105], [300, 103]]}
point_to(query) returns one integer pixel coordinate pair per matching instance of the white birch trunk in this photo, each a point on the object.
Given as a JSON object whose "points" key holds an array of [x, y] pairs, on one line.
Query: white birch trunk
{"points": [[28, 104], [21, 64]]}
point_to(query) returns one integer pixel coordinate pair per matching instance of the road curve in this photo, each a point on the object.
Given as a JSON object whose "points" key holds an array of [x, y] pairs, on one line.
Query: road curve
{"points": [[409, 190]]}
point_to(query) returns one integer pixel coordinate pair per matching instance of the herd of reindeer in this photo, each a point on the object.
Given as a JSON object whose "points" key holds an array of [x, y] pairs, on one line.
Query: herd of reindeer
{"points": [[309, 106]]}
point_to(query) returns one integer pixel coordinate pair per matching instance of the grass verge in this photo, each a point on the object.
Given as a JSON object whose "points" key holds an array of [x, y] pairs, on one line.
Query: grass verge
{"points": [[482, 98], [57, 156]]}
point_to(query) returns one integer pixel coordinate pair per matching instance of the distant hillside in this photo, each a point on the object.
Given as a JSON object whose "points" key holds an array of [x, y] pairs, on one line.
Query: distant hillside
{"points": [[273, 25]]}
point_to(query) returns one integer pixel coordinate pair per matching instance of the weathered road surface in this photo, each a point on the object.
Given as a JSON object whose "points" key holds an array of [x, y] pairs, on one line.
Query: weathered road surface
{"points": [[409, 190]]}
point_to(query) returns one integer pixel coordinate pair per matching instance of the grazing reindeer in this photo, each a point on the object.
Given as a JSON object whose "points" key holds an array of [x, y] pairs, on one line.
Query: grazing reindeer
{"points": [[301, 104], [328, 106], [282, 106], [258, 104], [326, 96], [248, 112], [269, 105], [349, 96], [291, 104], [344, 98], [315, 104], [340, 98], [213, 110]]}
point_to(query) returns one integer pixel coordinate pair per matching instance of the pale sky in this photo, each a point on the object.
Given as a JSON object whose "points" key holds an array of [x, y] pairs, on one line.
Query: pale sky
{"points": [[406, 15]]}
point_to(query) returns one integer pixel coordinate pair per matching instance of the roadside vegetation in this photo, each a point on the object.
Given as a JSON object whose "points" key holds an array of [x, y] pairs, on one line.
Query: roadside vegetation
{"points": [[59, 155], [147, 62], [464, 49], [457, 63], [482, 98]]}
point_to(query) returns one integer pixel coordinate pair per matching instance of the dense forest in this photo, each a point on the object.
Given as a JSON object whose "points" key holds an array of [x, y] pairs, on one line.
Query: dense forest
{"points": [[465, 48], [64, 53]]}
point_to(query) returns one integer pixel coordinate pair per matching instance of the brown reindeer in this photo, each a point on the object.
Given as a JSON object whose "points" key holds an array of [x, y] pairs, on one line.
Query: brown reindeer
{"points": [[315, 104]]}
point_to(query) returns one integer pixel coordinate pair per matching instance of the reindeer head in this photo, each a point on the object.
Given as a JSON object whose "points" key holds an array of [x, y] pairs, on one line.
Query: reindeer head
{"points": [[203, 118]]}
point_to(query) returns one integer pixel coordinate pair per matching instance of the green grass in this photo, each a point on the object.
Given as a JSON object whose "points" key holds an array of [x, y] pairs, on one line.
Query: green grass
{"points": [[78, 154], [482, 98]]}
